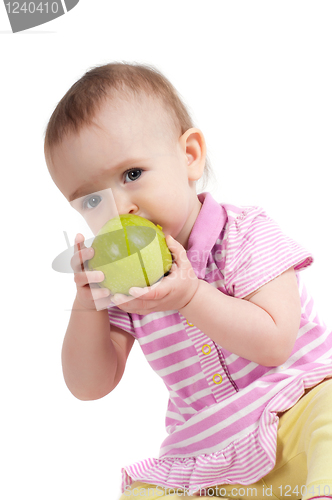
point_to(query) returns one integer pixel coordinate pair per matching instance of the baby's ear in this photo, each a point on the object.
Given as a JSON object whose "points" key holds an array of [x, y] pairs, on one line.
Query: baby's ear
{"points": [[194, 147]]}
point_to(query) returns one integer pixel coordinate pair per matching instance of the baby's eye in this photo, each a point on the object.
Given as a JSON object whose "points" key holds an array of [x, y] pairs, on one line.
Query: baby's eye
{"points": [[133, 174], [91, 201]]}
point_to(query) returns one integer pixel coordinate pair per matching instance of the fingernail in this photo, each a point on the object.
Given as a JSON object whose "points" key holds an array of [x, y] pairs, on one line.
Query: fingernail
{"points": [[136, 292], [77, 237]]}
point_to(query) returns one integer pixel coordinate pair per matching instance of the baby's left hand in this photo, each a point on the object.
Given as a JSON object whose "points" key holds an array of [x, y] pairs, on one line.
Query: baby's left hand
{"points": [[173, 292]]}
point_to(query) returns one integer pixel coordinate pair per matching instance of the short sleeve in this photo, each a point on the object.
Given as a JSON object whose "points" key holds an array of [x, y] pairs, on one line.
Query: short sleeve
{"points": [[257, 251], [122, 320]]}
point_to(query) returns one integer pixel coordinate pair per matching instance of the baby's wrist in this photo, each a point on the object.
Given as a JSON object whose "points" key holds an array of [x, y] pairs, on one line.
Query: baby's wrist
{"points": [[189, 302]]}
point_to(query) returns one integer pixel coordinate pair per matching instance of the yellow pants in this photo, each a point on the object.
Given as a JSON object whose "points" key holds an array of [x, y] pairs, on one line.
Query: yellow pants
{"points": [[303, 468]]}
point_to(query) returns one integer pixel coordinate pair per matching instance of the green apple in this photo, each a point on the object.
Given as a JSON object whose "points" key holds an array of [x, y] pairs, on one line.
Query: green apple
{"points": [[130, 251]]}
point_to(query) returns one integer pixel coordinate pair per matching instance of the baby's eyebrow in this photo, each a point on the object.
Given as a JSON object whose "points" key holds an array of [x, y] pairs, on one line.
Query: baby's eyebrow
{"points": [[83, 191], [100, 184]]}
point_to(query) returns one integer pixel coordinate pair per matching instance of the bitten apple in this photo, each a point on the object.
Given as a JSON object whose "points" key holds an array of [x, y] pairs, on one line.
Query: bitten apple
{"points": [[130, 251]]}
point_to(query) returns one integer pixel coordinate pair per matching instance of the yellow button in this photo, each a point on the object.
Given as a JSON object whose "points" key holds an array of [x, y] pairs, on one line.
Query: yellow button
{"points": [[204, 351], [216, 376], [190, 324]]}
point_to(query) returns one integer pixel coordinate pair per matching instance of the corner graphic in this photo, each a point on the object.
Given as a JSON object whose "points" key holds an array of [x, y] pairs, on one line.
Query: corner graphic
{"points": [[24, 15]]}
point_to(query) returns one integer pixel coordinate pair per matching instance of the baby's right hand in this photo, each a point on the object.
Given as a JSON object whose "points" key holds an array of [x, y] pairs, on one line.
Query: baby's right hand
{"points": [[89, 294]]}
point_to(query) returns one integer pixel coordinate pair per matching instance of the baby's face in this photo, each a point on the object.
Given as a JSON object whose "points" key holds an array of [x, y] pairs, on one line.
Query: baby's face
{"points": [[129, 161]]}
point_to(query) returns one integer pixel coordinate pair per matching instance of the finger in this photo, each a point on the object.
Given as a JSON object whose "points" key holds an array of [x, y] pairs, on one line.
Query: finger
{"points": [[82, 253], [131, 305], [153, 292], [104, 303], [79, 238], [120, 298], [80, 257], [99, 293], [177, 250], [79, 243], [138, 292], [95, 276], [89, 277]]}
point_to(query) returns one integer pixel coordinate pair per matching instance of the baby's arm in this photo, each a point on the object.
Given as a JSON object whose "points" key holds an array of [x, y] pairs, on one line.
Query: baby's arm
{"points": [[262, 327], [93, 354]]}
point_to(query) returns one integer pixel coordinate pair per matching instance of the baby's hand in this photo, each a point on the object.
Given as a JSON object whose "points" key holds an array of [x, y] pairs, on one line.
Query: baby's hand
{"points": [[89, 294], [173, 292]]}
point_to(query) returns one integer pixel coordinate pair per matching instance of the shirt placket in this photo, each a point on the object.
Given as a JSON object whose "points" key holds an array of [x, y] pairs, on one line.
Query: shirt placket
{"points": [[212, 363]]}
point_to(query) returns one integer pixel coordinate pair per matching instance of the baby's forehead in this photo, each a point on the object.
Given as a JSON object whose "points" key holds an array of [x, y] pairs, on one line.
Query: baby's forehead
{"points": [[122, 129], [139, 108]]}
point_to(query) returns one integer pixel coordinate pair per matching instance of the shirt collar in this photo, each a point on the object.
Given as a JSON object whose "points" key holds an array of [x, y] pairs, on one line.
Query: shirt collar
{"points": [[208, 226]]}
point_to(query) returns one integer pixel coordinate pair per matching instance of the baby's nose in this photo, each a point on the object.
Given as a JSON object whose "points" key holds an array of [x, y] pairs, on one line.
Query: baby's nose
{"points": [[125, 208]]}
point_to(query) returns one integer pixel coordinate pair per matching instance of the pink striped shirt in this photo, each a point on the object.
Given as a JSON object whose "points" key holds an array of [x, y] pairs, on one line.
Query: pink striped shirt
{"points": [[222, 412]]}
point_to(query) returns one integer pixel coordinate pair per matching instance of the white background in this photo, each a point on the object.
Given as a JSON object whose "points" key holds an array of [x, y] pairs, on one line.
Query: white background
{"points": [[257, 77]]}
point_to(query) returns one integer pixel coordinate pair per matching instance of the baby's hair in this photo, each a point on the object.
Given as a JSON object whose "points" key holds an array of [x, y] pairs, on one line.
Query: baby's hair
{"points": [[84, 99]]}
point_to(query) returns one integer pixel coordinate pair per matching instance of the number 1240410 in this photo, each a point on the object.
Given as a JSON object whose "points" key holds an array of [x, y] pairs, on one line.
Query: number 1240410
{"points": [[32, 7], [289, 491]]}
